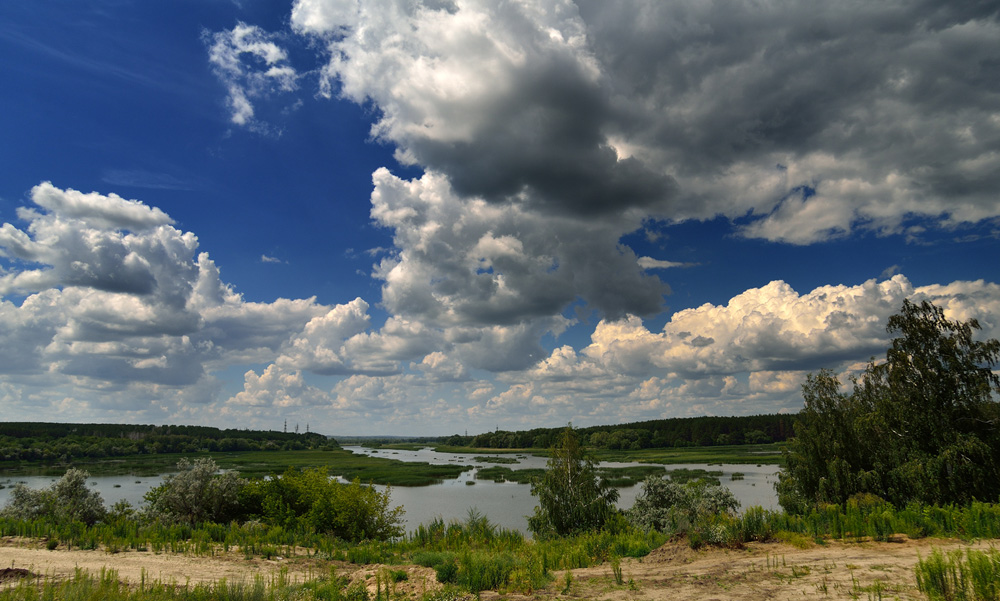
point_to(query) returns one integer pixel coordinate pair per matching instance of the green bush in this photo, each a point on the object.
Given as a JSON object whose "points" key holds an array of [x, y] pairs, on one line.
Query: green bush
{"points": [[196, 494], [431, 559], [447, 571], [69, 499], [668, 506], [309, 499]]}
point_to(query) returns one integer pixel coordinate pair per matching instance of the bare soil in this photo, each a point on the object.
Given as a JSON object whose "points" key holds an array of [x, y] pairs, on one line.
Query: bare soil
{"points": [[836, 570], [758, 572]]}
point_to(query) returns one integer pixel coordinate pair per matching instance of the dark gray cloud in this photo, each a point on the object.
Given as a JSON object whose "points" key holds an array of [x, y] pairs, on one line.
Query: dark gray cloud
{"points": [[874, 116], [886, 110]]}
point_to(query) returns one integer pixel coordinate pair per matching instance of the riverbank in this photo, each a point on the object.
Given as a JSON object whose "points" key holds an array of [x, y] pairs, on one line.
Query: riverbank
{"points": [[835, 570]]}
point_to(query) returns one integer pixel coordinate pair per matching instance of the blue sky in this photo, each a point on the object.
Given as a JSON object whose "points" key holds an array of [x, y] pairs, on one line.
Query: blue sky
{"points": [[437, 217]]}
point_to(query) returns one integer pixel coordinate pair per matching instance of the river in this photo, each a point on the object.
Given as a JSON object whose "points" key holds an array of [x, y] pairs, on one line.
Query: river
{"points": [[506, 504]]}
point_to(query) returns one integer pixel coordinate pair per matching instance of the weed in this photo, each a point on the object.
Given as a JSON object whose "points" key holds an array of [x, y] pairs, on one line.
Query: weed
{"points": [[823, 587], [616, 570], [567, 582]]}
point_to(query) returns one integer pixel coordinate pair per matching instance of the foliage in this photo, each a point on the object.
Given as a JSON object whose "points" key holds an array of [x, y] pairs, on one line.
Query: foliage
{"points": [[68, 499], [311, 499], [195, 494], [921, 426], [669, 506], [571, 496]]}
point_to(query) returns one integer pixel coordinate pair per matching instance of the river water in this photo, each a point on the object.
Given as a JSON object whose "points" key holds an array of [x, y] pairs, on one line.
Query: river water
{"points": [[112, 488], [506, 504]]}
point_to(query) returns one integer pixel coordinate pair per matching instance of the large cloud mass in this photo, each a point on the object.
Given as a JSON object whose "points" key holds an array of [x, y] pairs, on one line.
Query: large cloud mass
{"points": [[117, 299], [153, 320], [803, 120], [543, 134]]}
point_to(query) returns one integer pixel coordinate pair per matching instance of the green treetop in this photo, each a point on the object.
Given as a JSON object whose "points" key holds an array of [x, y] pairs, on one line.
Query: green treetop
{"points": [[924, 425]]}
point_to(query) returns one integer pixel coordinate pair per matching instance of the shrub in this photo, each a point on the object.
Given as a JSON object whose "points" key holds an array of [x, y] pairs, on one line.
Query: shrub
{"points": [[196, 494], [69, 499], [310, 499], [668, 506], [447, 571]]}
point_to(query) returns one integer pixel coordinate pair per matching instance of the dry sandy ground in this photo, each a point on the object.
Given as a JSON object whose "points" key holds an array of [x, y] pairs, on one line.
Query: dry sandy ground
{"points": [[837, 570]]}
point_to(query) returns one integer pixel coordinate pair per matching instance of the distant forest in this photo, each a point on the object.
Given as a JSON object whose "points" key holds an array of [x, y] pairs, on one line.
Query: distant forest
{"points": [[37, 441], [660, 433], [49, 442]]}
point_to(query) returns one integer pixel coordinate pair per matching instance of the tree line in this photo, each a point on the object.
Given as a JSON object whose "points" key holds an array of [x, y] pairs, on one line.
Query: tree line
{"points": [[653, 434], [39, 441]]}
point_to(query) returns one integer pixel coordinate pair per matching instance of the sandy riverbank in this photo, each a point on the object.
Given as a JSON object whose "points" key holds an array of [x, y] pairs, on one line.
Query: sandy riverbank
{"points": [[837, 570]]}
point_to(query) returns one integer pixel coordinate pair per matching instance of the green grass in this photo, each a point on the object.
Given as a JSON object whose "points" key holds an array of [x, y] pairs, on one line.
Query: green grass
{"points": [[972, 576], [145, 466], [764, 454], [623, 477], [477, 555], [620, 477], [378, 470], [507, 460], [257, 464], [107, 586], [498, 473]]}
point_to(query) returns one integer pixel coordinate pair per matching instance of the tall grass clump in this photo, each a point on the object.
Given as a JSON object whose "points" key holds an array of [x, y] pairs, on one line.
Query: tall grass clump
{"points": [[864, 518], [476, 555], [754, 524], [972, 576], [476, 531], [107, 586]]}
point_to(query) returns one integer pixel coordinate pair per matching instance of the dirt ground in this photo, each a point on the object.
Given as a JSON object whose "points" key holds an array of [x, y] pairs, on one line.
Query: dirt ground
{"points": [[837, 570]]}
